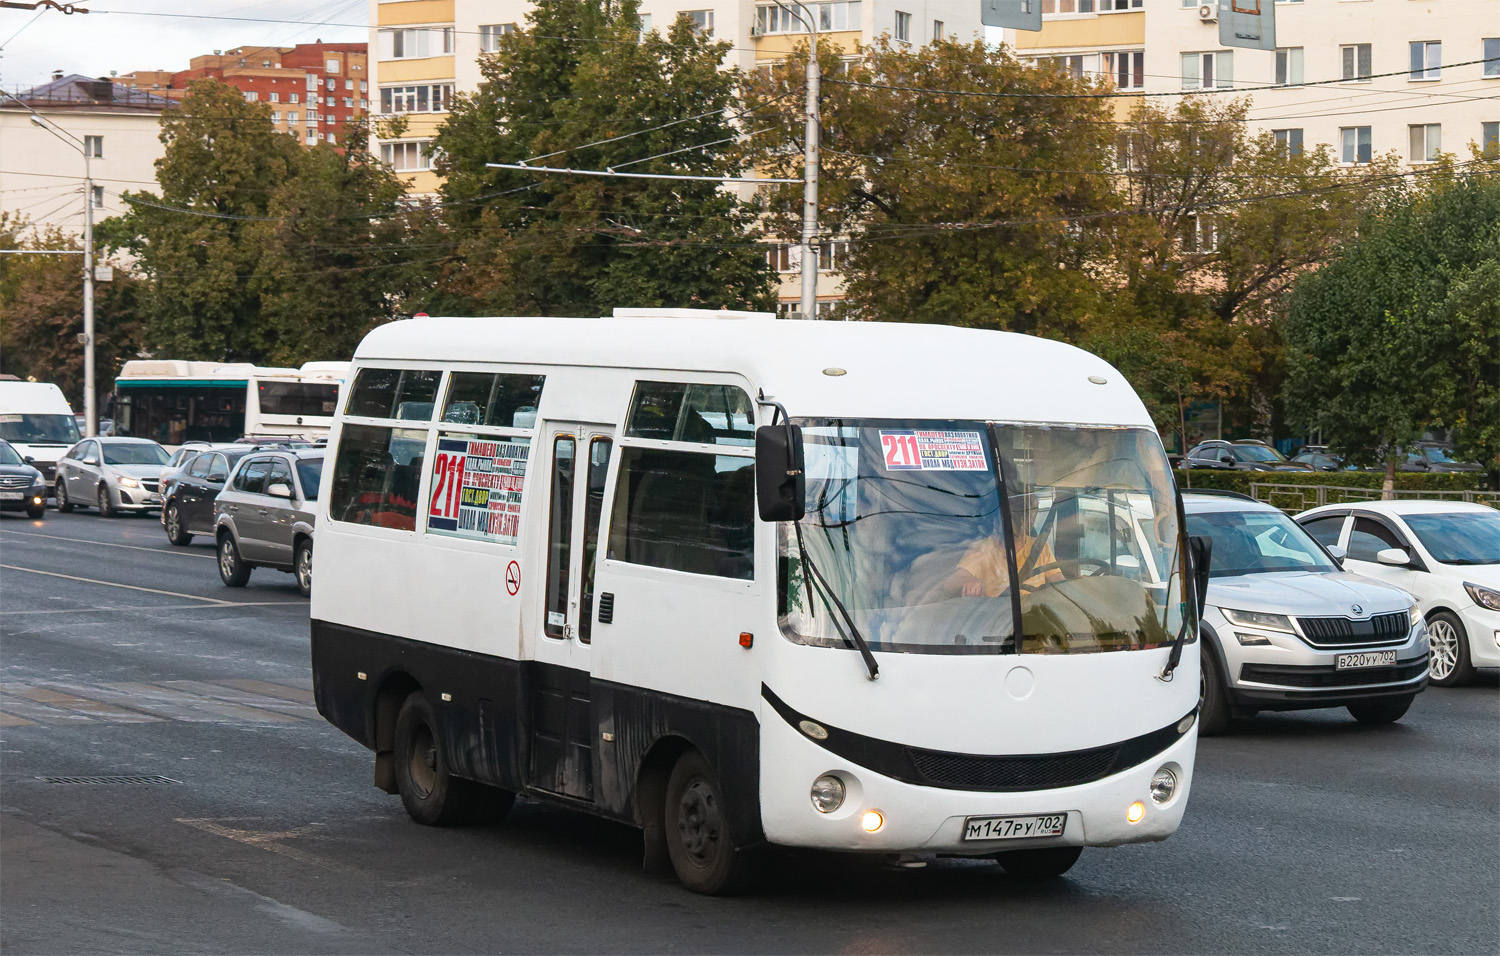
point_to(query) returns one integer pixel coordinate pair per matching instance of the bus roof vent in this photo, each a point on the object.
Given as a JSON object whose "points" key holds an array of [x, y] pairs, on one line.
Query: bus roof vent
{"points": [[690, 314]]}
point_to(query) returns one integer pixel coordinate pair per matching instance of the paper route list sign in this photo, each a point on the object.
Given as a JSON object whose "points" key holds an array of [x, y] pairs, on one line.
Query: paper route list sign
{"points": [[476, 488]]}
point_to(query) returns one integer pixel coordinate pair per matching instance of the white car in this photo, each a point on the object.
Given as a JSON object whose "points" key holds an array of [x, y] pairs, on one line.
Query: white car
{"points": [[1446, 554]]}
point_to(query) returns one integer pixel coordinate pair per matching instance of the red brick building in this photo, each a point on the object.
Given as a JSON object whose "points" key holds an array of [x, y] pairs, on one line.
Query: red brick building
{"points": [[313, 89]]}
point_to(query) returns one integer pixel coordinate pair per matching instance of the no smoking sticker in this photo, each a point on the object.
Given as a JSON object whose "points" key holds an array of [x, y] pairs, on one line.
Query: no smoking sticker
{"points": [[512, 578]]}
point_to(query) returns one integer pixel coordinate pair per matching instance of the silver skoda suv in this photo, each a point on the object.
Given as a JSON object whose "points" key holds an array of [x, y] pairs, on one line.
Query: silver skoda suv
{"points": [[1286, 628]]}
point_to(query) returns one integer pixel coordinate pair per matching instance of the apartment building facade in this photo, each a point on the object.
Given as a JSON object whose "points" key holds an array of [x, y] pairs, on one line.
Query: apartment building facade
{"points": [[313, 89], [1364, 77], [42, 172], [424, 50]]}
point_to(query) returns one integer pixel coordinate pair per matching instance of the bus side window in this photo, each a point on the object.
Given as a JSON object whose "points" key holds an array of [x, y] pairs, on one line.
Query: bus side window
{"points": [[560, 535], [685, 511], [599, 450], [382, 393], [376, 473]]}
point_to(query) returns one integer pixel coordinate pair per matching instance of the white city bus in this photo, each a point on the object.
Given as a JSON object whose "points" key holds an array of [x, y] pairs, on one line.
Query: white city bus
{"points": [[545, 568], [174, 401]]}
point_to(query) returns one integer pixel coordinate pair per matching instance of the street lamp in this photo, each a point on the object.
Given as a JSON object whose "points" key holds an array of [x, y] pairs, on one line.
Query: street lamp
{"points": [[809, 165], [90, 400]]}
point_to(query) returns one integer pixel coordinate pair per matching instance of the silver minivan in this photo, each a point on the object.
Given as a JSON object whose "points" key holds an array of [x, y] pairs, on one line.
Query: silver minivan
{"points": [[1287, 628], [264, 516]]}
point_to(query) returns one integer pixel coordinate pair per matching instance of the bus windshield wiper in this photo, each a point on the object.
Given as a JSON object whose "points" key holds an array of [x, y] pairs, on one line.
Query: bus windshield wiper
{"points": [[823, 589]]}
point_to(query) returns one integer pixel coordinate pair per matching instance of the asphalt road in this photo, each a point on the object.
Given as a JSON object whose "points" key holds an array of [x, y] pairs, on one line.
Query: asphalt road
{"points": [[245, 824]]}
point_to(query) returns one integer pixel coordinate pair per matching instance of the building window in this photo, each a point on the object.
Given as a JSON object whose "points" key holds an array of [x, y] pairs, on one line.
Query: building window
{"points": [[312, 137], [1199, 234], [333, 84], [434, 98], [490, 34], [937, 30], [1206, 71], [363, 86], [1289, 66], [1355, 144], [275, 116], [330, 66], [903, 27], [329, 134], [93, 146], [98, 197], [327, 101], [251, 96], [839, 15], [1289, 140], [408, 44], [1108, 6], [275, 97], [348, 84], [294, 98], [780, 256], [831, 255], [1127, 69], [1492, 56], [312, 81], [1426, 140], [364, 104], [1489, 138], [1426, 60], [407, 157], [1067, 6], [1356, 62], [291, 116], [703, 21]]}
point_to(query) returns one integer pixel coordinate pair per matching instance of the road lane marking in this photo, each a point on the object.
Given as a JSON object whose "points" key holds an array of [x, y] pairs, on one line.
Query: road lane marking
{"points": [[39, 713], [268, 689], [94, 708], [115, 584], [11, 720], [147, 607], [234, 711], [271, 840], [232, 696], [109, 544]]}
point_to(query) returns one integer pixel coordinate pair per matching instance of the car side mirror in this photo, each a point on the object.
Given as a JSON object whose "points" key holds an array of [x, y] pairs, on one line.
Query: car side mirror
{"points": [[1338, 554], [91, 460], [279, 489], [780, 485], [1227, 459], [1395, 557], [29, 460], [1200, 557]]}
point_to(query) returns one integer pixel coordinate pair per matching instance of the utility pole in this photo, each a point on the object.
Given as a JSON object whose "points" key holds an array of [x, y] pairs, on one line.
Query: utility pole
{"points": [[810, 138], [90, 398]]}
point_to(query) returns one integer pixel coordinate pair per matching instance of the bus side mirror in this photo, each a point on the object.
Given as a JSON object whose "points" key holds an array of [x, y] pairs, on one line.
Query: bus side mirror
{"points": [[780, 486], [1200, 555]]}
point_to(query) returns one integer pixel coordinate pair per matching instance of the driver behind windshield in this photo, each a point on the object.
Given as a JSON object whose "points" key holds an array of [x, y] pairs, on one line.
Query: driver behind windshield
{"points": [[983, 571]]}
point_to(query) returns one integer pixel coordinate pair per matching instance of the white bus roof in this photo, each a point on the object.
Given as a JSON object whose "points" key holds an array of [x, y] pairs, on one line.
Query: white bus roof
{"points": [[153, 370], [33, 398], [815, 369]]}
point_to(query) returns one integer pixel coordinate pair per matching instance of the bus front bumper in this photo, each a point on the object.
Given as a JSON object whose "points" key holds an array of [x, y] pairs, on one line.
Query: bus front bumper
{"points": [[928, 820]]}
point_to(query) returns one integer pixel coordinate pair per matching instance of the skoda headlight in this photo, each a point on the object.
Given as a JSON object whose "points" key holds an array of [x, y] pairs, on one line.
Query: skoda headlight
{"points": [[1483, 596], [129, 483], [1260, 619]]}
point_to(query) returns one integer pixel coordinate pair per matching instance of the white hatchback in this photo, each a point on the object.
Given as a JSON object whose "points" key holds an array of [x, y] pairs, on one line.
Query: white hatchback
{"points": [[1445, 553]]}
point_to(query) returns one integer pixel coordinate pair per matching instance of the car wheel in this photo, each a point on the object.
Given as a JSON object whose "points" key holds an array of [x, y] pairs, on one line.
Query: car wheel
{"points": [[432, 796], [1043, 863], [1386, 711], [302, 567], [1449, 642], [175, 531], [1213, 703], [697, 831], [36, 511], [233, 570], [106, 507], [63, 504]]}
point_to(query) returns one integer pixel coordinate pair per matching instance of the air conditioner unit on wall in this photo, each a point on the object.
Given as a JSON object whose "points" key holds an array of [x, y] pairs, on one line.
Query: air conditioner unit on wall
{"points": [[1208, 12]]}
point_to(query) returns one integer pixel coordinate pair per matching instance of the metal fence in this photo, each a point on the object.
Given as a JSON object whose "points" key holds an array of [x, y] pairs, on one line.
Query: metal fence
{"points": [[1296, 498]]}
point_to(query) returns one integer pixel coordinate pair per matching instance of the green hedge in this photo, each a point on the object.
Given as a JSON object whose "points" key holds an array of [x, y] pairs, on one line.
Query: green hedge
{"points": [[1405, 481]]}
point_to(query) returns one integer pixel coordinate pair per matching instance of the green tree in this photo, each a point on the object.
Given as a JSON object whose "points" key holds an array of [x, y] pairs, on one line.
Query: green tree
{"points": [[973, 207], [551, 244], [41, 313], [1402, 331]]}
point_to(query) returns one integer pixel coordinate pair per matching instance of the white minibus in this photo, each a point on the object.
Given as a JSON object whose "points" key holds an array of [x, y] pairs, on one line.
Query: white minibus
{"points": [[594, 562], [37, 420]]}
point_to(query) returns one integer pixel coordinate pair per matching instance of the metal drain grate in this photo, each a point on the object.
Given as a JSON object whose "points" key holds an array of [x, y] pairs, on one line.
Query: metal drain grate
{"points": [[111, 780]]}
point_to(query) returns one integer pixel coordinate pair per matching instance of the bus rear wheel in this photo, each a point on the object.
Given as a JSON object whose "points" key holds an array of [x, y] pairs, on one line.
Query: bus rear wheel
{"points": [[697, 831], [1044, 863], [432, 796]]}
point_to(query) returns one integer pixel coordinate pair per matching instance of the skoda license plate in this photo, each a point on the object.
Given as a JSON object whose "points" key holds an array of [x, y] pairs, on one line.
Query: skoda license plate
{"points": [[1346, 662], [1015, 828]]}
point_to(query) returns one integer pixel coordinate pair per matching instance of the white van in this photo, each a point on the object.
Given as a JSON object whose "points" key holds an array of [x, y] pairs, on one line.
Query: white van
{"points": [[38, 422], [589, 560]]}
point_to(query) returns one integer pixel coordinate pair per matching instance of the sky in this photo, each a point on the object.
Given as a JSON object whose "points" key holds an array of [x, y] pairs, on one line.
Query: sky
{"points": [[130, 35]]}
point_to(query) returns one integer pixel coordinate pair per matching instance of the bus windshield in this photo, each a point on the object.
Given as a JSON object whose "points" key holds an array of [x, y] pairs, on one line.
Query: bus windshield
{"points": [[39, 429], [907, 522]]}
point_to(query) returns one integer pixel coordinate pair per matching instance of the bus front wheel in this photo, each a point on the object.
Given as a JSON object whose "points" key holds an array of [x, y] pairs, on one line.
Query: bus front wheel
{"points": [[1040, 864], [697, 831], [432, 796]]}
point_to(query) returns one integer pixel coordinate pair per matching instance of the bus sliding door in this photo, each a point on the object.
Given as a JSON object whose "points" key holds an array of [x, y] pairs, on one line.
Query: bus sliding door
{"points": [[559, 706]]}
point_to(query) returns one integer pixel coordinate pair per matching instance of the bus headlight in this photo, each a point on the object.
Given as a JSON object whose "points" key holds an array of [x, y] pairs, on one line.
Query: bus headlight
{"points": [[872, 821], [1163, 786], [828, 793], [1135, 812]]}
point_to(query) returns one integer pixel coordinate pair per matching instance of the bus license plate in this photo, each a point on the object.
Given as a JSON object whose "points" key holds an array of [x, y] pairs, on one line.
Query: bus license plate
{"points": [[1015, 828], [1346, 662]]}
